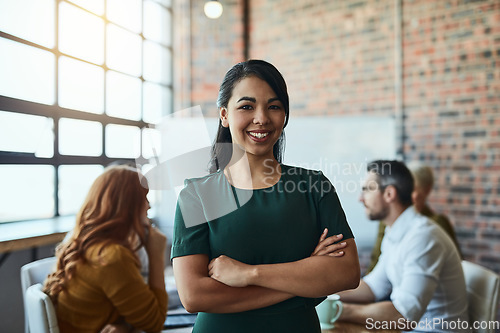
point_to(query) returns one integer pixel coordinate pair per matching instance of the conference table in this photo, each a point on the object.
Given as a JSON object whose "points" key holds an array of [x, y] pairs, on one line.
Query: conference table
{"points": [[340, 327]]}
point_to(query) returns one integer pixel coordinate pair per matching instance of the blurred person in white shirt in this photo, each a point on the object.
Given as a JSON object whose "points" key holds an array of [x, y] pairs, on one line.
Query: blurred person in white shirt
{"points": [[418, 282]]}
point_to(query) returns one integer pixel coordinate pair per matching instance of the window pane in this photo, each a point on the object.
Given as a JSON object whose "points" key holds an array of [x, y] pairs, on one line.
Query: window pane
{"points": [[157, 62], [126, 13], [151, 144], [32, 20], [27, 134], [30, 192], [123, 96], [156, 102], [74, 184], [81, 34], [123, 141], [81, 85], [95, 6], [166, 3], [26, 72], [123, 50], [80, 137], [157, 23]]}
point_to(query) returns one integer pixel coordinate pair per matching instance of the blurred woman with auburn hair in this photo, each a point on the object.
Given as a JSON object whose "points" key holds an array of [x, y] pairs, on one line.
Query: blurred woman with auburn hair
{"points": [[97, 283]]}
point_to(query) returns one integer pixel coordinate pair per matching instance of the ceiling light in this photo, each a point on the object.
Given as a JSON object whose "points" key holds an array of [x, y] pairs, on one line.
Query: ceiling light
{"points": [[213, 9]]}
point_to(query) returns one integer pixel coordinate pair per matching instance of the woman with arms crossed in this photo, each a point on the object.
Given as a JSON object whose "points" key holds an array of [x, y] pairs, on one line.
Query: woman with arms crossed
{"points": [[245, 250]]}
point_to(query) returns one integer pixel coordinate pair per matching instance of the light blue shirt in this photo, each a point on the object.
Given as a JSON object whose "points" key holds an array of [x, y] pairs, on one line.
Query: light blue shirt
{"points": [[421, 271]]}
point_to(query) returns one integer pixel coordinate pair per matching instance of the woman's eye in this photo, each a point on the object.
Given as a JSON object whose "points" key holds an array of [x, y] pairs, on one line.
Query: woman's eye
{"points": [[246, 107], [275, 107]]}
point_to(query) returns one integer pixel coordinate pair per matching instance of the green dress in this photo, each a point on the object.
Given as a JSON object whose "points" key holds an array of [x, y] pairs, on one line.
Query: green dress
{"points": [[278, 224]]}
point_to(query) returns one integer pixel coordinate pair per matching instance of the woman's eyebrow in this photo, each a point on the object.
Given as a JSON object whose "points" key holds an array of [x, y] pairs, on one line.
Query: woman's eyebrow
{"points": [[252, 99], [245, 98]]}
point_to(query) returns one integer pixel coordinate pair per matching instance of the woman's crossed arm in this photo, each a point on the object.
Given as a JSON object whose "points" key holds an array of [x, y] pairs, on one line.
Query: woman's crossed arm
{"points": [[211, 287]]}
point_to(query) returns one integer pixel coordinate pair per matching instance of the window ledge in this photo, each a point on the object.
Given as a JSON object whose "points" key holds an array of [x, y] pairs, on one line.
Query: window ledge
{"points": [[23, 235]]}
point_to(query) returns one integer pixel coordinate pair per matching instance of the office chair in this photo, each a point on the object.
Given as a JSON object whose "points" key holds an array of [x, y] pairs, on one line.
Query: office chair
{"points": [[33, 273], [41, 313], [482, 292]]}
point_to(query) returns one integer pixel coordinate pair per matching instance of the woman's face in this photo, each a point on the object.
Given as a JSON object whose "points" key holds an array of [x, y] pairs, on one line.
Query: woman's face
{"points": [[255, 116], [419, 197], [146, 206]]}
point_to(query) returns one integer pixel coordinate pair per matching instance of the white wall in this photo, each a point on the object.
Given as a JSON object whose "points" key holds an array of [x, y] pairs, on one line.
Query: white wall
{"points": [[342, 147]]}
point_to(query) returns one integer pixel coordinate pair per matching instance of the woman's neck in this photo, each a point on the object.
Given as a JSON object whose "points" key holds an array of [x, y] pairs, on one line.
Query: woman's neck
{"points": [[252, 172]]}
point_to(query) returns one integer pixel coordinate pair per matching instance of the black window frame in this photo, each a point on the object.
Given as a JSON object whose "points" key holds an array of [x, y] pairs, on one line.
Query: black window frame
{"points": [[56, 112]]}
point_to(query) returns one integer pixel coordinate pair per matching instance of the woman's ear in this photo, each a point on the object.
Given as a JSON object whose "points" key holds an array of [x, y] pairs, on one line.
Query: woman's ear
{"points": [[223, 117]]}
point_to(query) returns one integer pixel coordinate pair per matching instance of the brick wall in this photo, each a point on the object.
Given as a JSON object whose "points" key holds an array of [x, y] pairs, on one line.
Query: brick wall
{"points": [[338, 58], [205, 49], [451, 97]]}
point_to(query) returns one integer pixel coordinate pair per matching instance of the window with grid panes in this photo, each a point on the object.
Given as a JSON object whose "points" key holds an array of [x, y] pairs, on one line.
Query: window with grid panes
{"points": [[80, 83]]}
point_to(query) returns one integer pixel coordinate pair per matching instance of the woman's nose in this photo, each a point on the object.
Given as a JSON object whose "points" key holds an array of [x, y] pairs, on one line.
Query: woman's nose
{"points": [[261, 117]]}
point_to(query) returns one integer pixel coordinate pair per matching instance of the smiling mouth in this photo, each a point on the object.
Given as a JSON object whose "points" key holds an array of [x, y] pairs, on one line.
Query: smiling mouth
{"points": [[258, 135]]}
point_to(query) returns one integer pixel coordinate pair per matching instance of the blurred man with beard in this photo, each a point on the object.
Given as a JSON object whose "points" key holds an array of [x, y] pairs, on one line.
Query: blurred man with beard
{"points": [[418, 282]]}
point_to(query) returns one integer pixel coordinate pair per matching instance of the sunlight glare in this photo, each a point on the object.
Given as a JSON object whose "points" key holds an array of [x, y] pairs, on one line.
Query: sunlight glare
{"points": [[81, 34], [40, 15], [26, 134], [95, 6], [126, 13], [80, 137], [81, 85], [123, 50]]}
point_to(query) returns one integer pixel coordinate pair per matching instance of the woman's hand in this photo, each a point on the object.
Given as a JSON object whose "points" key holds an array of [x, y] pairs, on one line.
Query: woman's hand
{"points": [[229, 271], [156, 241], [155, 245], [326, 246]]}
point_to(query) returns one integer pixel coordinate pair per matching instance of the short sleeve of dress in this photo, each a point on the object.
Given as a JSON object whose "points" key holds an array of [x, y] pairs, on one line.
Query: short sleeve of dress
{"points": [[191, 233], [331, 214]]}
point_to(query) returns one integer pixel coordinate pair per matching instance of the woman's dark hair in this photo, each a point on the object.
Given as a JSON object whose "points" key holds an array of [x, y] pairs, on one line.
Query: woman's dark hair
{"points": [[221, 151], [394, 173]]}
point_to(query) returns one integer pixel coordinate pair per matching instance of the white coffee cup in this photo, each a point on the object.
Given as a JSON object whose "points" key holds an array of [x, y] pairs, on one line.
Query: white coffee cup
{"points": [[329, 311]]}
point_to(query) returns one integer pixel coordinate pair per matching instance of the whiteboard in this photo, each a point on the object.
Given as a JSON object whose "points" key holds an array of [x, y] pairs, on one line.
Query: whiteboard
{"points": [[342, 147]]}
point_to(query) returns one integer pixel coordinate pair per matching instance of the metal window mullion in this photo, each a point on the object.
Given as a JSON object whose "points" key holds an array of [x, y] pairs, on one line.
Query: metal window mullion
{"points": [[29, 159], [56, 115], [37, 109], [142, 75], [24, 41], [56, 163], [106, 69]]}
